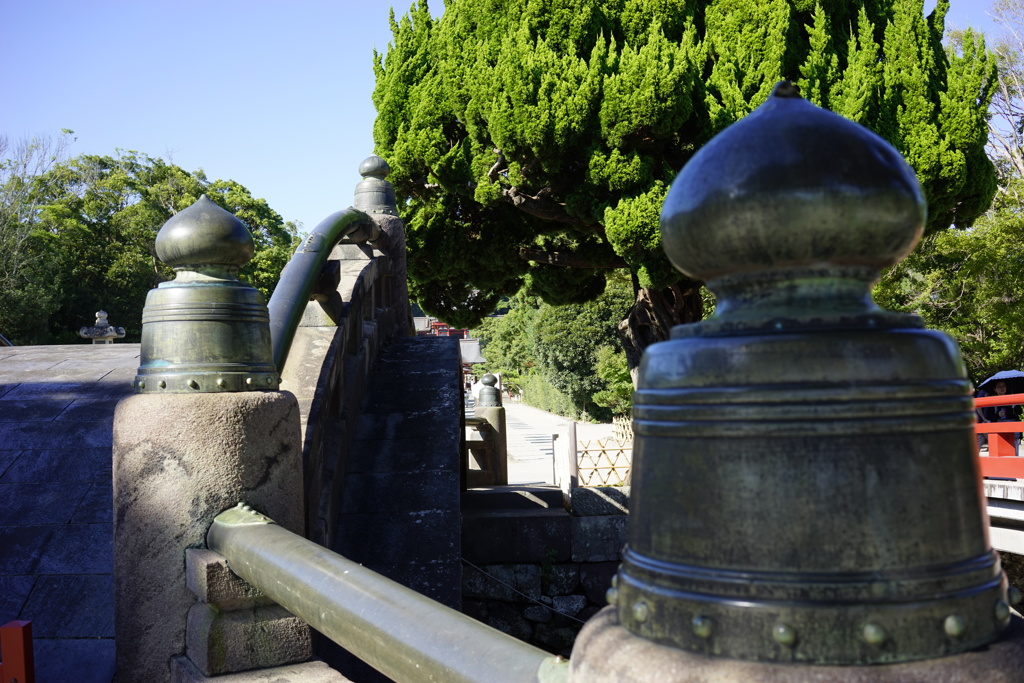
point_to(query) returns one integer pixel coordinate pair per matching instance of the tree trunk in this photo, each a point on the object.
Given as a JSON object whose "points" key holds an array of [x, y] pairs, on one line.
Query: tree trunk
{"points": [[654, 314]]}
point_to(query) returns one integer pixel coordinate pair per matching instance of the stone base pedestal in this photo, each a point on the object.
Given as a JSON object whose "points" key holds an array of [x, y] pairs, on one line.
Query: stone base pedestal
{"points": [[607, 652], [183, 671], [180, 460]]}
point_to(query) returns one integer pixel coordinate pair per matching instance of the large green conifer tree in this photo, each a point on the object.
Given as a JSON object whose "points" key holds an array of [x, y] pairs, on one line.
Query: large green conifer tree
{"points": [[533, 141]]}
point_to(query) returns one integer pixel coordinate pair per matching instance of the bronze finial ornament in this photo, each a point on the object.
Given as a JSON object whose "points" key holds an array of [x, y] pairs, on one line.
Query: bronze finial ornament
{"points": [[805, 483], [374, 193], [205, 331]]}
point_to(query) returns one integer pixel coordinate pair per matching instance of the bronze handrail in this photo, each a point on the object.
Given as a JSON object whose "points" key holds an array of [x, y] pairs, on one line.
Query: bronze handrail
{"points": [[299, 276], [401, 633]]}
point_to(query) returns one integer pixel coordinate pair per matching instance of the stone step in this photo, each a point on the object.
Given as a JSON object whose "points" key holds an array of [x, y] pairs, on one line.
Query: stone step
{"points": [[512, 498]]}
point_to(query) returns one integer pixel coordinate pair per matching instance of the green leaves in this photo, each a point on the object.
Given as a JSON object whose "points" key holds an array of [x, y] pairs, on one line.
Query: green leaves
{"points": [[559, 123], [747, 46], [969, 284], [559, 346], [91, 229], [651, 89]]}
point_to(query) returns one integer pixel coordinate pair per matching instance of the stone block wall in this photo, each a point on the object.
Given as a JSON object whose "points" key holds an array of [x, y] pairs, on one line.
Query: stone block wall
{"points": [[539, 573], [327, 370]]}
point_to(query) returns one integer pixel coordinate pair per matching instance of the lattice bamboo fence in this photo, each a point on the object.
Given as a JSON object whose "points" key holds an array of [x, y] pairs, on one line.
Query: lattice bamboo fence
{"points": [[623, 429], [604, 462]]}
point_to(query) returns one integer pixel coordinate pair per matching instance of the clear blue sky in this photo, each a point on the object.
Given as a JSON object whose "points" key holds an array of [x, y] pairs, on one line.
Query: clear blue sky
{"points": [[272, 94]]}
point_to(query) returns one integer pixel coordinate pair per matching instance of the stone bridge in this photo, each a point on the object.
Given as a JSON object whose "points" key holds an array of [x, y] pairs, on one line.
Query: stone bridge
{"points": [[777, 531]]}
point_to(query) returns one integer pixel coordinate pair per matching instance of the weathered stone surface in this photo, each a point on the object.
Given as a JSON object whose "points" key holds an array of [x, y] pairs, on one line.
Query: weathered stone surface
{"points": [[416, 536], [208, 577], [537, 613], [78, 549], [32, 410], [222, 642], [393, 492], [588, 501], [407, 453], [598, 539], [555, 639], [40, 502], [179, 460], [183, 671], [14, 592], [55, 501], [23, 547], [7, 458], [43, 435], [569, 605], [596, 578], [528, 536], [507, 619], [71, 606], [560, 579], [441, 581], [76, 464], [97, 506], [1013, 565], [78, 660], [516, 583]]}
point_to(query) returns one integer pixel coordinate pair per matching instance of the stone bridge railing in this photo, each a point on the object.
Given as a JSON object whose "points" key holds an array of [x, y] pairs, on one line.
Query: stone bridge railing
{"points": [[783, 526], [325, 348], [198, 439]]}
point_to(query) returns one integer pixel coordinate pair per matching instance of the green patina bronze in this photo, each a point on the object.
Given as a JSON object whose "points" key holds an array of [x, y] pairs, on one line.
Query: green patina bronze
{"points": [[205, 331], [401, 633], [805, 486], [374, 194]]}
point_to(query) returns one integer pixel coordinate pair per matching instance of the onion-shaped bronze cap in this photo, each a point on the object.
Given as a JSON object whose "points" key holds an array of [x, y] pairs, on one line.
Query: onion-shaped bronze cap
{"points": [[204, 235], [205, 331], [374, 167], [374, 194], [790, 214], [489, 394]]}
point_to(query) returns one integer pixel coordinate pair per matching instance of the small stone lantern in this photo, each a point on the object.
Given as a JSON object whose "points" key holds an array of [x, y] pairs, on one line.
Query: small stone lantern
{"points": [[102, 332]]}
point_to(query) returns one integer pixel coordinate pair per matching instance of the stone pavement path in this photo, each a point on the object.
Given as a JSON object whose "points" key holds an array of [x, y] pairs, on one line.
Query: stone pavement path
{"points": [[530, 447], [56, 541]]}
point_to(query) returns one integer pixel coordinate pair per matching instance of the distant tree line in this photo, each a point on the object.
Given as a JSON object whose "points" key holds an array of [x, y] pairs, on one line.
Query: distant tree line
{"points": [[77, 235]]}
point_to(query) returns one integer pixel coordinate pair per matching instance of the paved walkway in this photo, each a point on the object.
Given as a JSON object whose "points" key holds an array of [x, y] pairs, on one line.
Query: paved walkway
{"points": [[56, 541], [530, 446]]}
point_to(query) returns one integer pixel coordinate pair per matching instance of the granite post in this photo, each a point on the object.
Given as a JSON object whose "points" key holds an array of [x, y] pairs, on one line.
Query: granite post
{"points": [[207, 430]]}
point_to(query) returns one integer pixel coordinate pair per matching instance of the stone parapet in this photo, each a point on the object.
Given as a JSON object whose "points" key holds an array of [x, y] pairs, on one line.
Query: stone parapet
{"points": [[535, 572], [179, 460]]}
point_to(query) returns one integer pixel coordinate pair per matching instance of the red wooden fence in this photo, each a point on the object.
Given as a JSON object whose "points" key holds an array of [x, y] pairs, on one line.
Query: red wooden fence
{"points": [[1000, 461], [17, 664]]}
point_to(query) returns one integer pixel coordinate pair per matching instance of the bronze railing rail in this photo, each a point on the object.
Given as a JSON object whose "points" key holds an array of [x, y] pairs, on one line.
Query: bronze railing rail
{"points": [[299, 276], [394, 629]]}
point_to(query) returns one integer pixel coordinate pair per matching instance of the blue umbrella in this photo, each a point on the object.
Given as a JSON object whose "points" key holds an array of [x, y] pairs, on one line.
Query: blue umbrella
{"points": [[1014, 382]]}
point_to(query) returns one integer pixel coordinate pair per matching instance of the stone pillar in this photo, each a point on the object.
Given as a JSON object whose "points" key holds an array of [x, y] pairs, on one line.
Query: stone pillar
{"points": [[489, 408], [806, 503], [179, 461], [207, 430], [376, 196]]}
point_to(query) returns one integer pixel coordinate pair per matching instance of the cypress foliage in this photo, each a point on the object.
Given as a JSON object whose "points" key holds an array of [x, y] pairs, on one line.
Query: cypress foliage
{"points": [[533, 141]]}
